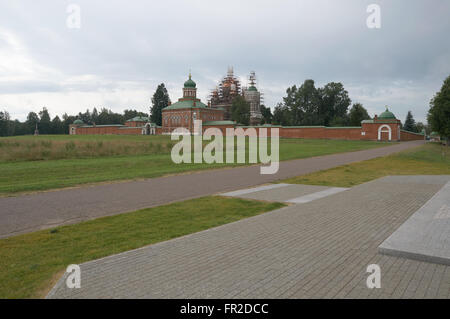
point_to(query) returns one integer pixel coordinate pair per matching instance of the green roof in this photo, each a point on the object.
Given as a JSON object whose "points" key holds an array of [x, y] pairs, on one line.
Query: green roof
{"points": [[189, 83], [104, 125], [185, 104], [338, 127], [219, 123], [412, 132], [252, 88], [386, 115], [434, 134], [78, 122], [138, 119]]}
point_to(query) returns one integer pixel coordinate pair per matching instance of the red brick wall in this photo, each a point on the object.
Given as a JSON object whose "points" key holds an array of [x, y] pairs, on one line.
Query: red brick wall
{"points": [[130, 131], [134, 124], [303, 132], [350, 133], [410, 136], [98, 130], [343, 133]]}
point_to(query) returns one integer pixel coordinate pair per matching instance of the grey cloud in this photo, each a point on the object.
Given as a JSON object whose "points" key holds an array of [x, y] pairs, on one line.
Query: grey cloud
{"points": [[285, 42]]}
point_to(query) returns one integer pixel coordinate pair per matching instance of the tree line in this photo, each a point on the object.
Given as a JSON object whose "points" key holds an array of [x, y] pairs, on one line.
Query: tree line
{"points": [[305, 105], [45, 125]]}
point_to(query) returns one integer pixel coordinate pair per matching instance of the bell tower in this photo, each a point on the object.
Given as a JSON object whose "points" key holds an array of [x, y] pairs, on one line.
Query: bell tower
{"points": [[190, 90]]}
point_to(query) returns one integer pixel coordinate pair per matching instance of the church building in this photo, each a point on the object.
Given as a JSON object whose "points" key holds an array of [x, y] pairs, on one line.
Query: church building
{"points": [[188, 109]]}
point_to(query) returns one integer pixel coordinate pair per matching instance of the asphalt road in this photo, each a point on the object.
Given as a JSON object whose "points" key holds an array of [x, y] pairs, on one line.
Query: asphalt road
{"points": [[44, 210]]}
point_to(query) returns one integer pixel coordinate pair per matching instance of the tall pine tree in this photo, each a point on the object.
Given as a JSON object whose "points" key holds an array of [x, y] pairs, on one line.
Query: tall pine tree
{"points": [[159, 101], [410, 123]]}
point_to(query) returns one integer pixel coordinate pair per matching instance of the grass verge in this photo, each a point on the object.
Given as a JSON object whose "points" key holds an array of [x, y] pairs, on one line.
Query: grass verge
{"points": [[30, 263], [30, 172], [428, 159]]}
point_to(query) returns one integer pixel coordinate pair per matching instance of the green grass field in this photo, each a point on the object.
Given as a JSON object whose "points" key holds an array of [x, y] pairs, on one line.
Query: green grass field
{"points": [[428, 159], [29, 163], [31, 263]]}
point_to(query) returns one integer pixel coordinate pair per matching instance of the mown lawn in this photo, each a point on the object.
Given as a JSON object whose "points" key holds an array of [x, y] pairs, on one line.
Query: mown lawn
{"points": [[428, 159], [30, 263], [48, 162]]}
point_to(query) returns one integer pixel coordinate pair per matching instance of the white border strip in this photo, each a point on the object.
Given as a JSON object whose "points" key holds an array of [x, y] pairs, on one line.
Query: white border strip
{"points": [[255, 189], [316, 195]]}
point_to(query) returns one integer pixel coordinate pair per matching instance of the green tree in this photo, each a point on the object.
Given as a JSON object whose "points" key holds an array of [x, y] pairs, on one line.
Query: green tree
{"points": [[333, 103], [267, 115], [439, 113], [421, 127], [94, 116], [281, 115], [56, 126], [67, 120], [410, 123], [86, 117], [4, 123], [240, 110], [160, 100], [129, 114], [44, 122], [302, 103], [357, 114], [31, 122]]}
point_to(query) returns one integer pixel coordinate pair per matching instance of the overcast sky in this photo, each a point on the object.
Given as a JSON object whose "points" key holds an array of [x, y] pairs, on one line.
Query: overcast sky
{"points": [[124, 49]]}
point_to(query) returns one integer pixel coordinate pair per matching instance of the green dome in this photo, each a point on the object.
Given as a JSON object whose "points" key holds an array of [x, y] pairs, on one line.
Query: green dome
{"points": [[387, 115], [78, 122], [252, 88], [189, 83]]}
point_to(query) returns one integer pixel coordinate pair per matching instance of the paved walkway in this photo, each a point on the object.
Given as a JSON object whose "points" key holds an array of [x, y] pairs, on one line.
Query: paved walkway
{"points": [[49, 209], [313, 250], [426, 234]]}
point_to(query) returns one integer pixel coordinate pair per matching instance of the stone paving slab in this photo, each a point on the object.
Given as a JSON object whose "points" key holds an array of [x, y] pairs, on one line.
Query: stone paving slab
{"points": [[246, 191], [317, 195], [426, 234], [319, 249], [279, 193]]}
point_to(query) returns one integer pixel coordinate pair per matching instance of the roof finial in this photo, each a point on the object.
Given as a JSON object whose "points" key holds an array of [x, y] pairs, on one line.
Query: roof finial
{"points": [[189, 74], [387, 108]]}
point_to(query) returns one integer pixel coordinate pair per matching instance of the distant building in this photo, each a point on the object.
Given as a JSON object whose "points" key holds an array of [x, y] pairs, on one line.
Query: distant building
{"points": [[229, 88], [183, 113], [253, 97], [435, 137], [223, 95], [188, 109]]}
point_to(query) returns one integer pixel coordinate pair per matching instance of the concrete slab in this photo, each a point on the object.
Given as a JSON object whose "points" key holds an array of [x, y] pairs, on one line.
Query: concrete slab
{"points": [[282, 193], [254, 189], [426, 234], [317, 195]]}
